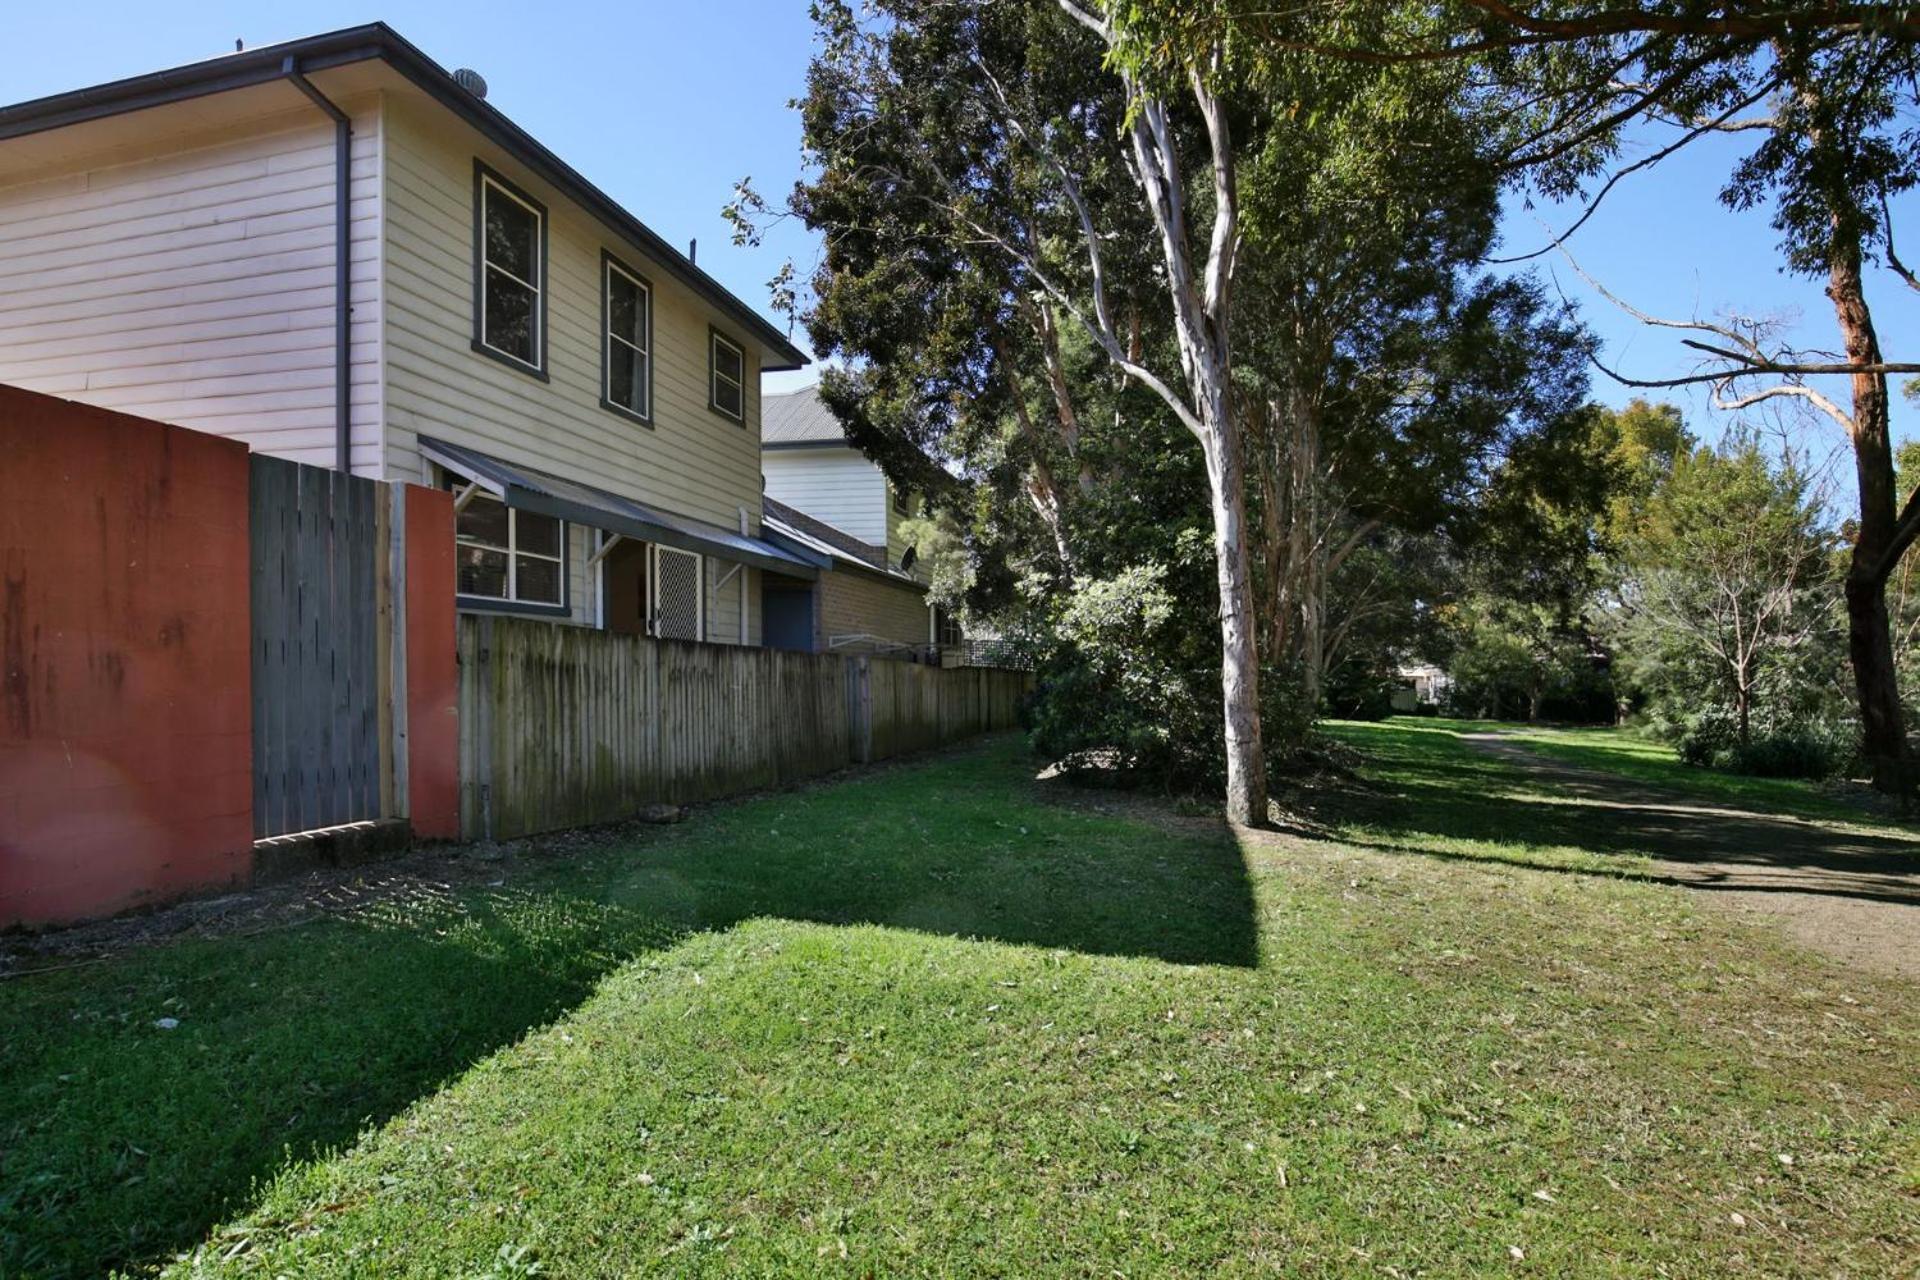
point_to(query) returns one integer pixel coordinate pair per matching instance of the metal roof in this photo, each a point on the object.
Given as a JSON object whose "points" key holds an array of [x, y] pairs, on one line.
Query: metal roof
{"points": [[798, 417], [537, 491], [377, 40], [804, 535]]}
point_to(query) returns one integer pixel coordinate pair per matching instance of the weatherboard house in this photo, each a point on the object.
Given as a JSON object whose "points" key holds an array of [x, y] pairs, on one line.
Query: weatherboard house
{"points": [[827, 497], [340, 253]]}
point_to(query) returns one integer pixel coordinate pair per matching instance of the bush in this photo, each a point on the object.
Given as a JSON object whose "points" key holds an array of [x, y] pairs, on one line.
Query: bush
{"points": [[1359, 693], [1711, 740], [1704, 740], [1123, 693], [1790, 753], [1113, 695]]}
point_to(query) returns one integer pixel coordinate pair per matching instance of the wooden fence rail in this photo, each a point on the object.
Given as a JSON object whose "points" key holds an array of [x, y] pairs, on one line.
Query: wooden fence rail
{"points": [[565, 727]]}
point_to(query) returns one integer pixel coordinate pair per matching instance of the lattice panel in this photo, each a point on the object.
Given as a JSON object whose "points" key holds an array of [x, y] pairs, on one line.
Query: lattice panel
{"points": [[676, 594]]}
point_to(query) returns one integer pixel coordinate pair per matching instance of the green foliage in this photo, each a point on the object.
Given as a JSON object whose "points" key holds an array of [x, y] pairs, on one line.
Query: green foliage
{"points": [[940, 548], [1725, 610], [1114, 698], [1798, 752]]}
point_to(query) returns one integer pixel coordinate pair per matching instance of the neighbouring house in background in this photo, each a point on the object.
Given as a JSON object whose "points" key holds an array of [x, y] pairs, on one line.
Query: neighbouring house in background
{"points": [[338, 252], [1421, 684], [826, 498]]}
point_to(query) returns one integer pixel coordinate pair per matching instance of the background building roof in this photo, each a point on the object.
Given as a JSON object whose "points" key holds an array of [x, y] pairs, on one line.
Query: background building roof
{"points": [[799, 417]]}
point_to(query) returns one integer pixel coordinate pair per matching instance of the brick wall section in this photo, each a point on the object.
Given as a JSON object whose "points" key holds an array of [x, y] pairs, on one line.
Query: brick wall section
{"points": [[433, 675], [126, 751], [855, 603]]}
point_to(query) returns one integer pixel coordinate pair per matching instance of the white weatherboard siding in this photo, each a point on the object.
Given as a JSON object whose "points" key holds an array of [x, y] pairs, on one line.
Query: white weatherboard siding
{"points": [[831, 483], [691, 461], [197, 286]]}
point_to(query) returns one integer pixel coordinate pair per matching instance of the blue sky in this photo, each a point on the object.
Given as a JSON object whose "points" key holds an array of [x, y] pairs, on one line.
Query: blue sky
{"points": [[665, 105]]}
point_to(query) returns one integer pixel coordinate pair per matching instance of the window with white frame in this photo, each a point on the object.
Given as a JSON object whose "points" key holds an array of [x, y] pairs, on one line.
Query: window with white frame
{"points": [[508, 556], [629, 338], [727, 376], [677, 589], [511, 273]]}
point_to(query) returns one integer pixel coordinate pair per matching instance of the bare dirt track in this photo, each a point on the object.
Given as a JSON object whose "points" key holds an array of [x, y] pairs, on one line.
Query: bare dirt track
{"points": [[1849, 891]]}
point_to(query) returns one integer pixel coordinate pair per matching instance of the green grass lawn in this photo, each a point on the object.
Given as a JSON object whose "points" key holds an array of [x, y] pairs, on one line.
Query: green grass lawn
{"points": [[945, 1020], [1644, 759]]}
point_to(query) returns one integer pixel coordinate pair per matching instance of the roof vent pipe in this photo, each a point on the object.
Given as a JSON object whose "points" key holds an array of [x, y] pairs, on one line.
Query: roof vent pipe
{"points": [[693, 251]]}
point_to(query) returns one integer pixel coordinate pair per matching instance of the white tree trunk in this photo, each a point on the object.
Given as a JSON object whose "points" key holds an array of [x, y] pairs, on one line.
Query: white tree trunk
{"points": [[1239, 654]]}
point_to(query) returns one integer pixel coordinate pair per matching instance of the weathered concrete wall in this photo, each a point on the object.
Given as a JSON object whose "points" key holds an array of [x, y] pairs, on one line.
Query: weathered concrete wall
{"points": [[125, 725]]}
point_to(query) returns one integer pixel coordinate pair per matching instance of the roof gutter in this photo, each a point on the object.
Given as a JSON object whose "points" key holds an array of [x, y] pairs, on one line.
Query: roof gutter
{"points": [[342, 267]]}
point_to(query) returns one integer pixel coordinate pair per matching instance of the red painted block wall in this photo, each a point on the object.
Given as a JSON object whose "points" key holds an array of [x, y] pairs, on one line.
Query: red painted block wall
{"points": [[433, 676], [126, 750]]}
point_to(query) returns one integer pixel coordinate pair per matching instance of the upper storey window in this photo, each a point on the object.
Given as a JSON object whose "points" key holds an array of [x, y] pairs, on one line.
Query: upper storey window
{"points": [[510, 273], [628, 307], [727, 377]]}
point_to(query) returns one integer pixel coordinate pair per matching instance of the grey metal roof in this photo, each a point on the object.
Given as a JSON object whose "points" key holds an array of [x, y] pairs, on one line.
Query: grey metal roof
{"points": [[796, 531], [359, 44], [798, 417], [532, 490]]}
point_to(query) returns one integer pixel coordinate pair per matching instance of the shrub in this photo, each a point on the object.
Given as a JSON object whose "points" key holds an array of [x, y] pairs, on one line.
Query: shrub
{"points": [[1789, 753], [1123, 692], [1703, 740]]}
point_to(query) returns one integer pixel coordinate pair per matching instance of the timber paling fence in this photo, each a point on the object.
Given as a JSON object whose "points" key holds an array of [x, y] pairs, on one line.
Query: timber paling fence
{"points": [[566, 727]]}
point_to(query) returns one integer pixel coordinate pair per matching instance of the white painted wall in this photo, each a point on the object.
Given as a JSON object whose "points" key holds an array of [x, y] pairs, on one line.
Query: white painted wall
{"points": [[196, 287], [832, 483]]}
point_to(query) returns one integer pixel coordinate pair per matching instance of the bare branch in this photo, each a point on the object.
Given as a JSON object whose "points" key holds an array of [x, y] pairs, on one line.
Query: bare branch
{"points": [[1893, 258], [1645, 162], [1793, 390]]}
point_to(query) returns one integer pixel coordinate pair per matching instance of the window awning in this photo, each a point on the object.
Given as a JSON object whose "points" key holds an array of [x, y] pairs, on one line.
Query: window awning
{"points": [[536, 491]]}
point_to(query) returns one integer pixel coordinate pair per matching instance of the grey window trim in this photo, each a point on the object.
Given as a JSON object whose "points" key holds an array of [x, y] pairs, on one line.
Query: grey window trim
{"points": [[483, 177], [496, 604], [608, 265], [714, 338]]}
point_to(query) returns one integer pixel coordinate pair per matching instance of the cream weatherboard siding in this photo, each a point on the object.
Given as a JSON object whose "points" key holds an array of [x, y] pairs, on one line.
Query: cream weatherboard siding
{"points": [[832, 483], [197, 286], [691, 461]]}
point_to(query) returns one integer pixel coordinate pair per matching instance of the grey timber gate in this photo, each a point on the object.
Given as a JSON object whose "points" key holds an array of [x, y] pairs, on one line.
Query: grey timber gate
{"points": [[321, 601]]}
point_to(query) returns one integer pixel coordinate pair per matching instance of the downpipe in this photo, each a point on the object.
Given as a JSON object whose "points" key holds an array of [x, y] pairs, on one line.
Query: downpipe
{"points": [[342, 235]]}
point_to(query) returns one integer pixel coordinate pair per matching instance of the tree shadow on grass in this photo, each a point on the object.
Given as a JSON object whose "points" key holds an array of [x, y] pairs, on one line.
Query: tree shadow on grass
{"points": [[122, 1142], [1504, 796]]}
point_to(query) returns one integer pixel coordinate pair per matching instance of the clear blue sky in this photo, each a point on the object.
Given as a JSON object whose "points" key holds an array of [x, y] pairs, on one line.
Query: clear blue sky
{"points": [[666, 104]]}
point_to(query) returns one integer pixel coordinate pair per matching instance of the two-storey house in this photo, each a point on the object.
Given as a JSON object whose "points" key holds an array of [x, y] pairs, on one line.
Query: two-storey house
{"points": [[341, 253]]}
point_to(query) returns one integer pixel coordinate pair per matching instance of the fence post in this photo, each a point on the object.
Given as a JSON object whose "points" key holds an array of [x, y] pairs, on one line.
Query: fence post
{"points": [[395, 793], [860, 710], [483, 686]]}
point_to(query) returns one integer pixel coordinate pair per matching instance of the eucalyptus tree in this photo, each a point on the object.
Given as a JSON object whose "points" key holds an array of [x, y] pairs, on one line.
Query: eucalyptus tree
{"points": [[1828, 91], [986, 177]]}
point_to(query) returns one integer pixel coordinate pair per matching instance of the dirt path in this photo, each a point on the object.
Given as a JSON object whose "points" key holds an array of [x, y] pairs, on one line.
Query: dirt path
{"points": [[1844, 890]]}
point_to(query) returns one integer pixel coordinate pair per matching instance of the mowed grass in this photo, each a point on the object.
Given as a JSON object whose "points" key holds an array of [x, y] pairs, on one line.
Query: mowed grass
{"points": [[945, 1020], [1646, 760]]}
